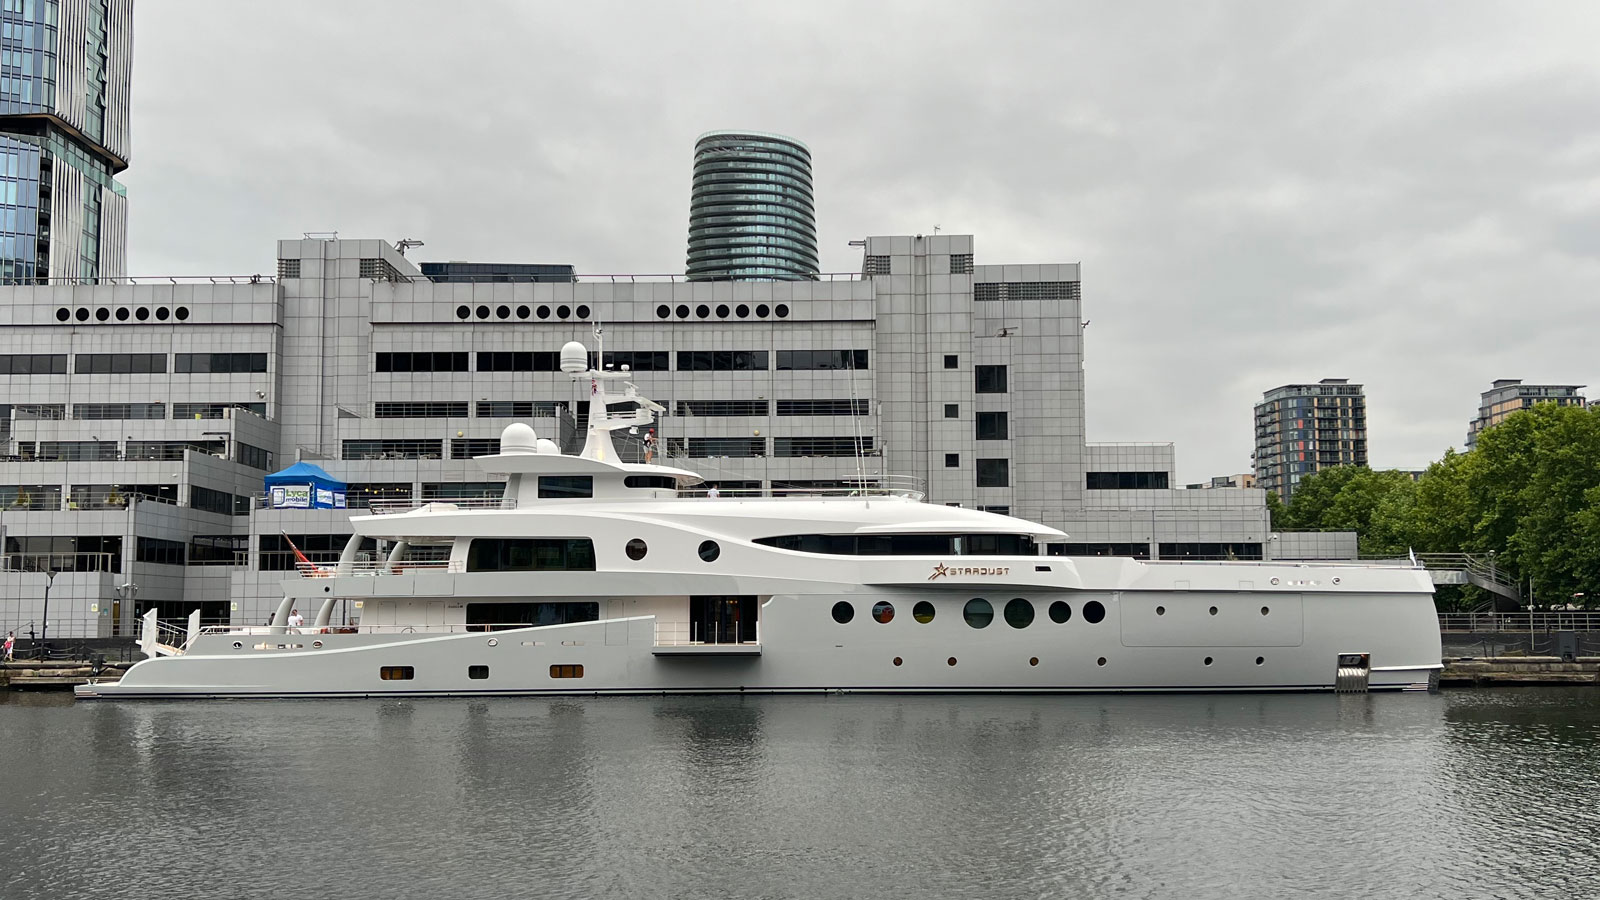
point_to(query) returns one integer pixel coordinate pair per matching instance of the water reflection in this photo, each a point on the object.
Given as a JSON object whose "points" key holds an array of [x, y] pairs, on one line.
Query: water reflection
{"points": [[1470, 794]]}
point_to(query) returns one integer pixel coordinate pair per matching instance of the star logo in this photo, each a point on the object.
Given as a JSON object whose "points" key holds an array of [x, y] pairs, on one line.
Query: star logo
{"points": [[939, 571]]}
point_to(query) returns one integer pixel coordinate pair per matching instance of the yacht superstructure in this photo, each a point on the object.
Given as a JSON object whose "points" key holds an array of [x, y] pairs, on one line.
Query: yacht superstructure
{"points": [[592, 575]]}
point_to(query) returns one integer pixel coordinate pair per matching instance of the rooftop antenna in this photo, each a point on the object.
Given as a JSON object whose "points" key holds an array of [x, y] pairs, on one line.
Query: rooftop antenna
{"points": [[404, 244]]}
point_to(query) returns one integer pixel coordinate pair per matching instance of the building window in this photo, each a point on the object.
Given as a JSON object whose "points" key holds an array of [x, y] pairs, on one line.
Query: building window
{"points": [[722, 407], [961, 264], [566, 671], [712, 448], [821, 446], [30, 496], [952, 460], [119, 410], [471, 448], [635, 360], [1125, 481], [565, 487], [120, 364], [219, 363], [421, 361], [219, 550], [68, 451], [952, 361], [1211, 551], [215, 410], [159, 551], [254, 457], [875, 265], [519, 409], [824, 407], [952, 410], [276, 554], [33, 364], [518, 361], [397, 673], [993, 426], [439, 409], [997, 510], [393, 449], [994, 473], [1026, 290], [457, 490], [806, 360], [722, 360], [288, 268], [989, 379], [220, 502], [531, 555], [171, 450], [360, 496]]}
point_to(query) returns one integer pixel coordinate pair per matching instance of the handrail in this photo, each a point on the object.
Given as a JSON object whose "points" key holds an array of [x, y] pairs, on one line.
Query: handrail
{"points": [[384, 507], [1554, 620], [39, 280]]}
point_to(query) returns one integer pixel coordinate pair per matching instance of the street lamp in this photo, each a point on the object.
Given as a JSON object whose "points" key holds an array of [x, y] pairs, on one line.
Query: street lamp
{"points": [[44, 624]]}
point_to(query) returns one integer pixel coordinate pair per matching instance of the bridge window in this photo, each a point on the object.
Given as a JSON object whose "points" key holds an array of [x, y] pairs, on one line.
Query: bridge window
{"points": [[558, 487], [503, 616], [906, 544], [531, 555]]}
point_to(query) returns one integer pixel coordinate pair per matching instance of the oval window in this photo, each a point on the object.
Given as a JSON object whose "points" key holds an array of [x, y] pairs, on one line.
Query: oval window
{"points": [[1060, 612], [709, 551], [882, 612], [1093, 612], [1019, 613], [922, 612], [636, 549], [978, 612], [843, 612]]}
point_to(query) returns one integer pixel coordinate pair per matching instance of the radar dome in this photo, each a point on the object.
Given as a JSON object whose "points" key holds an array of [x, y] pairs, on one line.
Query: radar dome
{"points": [[518, 438], [574, 358], [548, 446]]}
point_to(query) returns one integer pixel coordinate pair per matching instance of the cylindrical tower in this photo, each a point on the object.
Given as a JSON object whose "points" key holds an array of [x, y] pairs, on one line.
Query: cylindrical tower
{"points": [[751, 216]]}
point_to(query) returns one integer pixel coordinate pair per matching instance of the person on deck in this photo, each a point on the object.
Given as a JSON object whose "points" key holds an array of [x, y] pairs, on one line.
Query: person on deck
{"points": [[296, 621]]}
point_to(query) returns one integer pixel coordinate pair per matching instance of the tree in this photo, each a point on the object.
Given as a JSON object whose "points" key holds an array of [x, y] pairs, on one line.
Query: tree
{"points": [[1314, 494]]}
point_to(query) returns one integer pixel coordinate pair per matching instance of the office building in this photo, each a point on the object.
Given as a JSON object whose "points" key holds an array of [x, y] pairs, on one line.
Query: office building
{"points": [[139, 420], [751, 212], [1507, 395], [1243, 480], [65, 75], [1303, 428], [487, 273]]}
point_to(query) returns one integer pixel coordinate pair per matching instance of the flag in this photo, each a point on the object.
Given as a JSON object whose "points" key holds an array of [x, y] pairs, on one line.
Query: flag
{"points": [[301, 557], [594, 386]]}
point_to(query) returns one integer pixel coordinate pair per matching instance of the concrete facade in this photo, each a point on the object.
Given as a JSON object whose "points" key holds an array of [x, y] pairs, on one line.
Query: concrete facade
{"points": [[967, 377], [1508, 395], [1303, 428]]}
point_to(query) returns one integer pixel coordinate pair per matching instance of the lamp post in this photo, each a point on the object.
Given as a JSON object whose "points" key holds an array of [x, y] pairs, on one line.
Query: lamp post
{"points": [[44, 623]]}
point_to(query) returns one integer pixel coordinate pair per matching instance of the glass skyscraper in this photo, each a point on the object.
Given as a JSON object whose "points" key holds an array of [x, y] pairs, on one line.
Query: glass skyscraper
{"points": [[65, 73], [751, 213]]}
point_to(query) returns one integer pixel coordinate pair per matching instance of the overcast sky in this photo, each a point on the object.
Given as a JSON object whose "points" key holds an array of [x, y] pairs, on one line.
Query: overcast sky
{"points": [[1405, 195]]}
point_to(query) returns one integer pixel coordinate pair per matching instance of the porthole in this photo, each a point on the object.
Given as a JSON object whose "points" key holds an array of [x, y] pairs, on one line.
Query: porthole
{"points": [[83, 315], [502, 311], [1208, 660], [702, 311], [544, 312], [1060, 612], [523, 311], [742, 311], [183, 314], [843, 612], [316, 645], [1260, 660], [1033, 660], [1101, 661], [682, 310], [1093, 612], [951, 661], [483, 311], [978, 612], [1264, 610], [722, 310], [709, 551], [163, 313], [1019, 613], [883, 612], [782, 310], [102, 314], [493, 642], [563, 311], [122, 314], [636, 549], [583, 312], [922, 612], [1161, 610], [63, 314], [238, 645], [1213, 610], [898, 660], [663, 311], [762, 310], [143, 313], [462, 312]]}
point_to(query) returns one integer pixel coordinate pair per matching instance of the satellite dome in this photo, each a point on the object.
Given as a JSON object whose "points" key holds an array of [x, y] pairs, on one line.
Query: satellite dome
{"points": [[574, 358], [518, 438], [548, 446]]}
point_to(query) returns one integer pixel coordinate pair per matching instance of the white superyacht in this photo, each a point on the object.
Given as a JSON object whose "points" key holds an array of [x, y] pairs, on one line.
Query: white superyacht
{"points": [[596, 576]]}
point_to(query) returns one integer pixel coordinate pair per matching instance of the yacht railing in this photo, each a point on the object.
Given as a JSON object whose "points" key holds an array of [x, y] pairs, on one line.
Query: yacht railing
{"points": [[271, 632], [908, 486], [687, 634], [378, 567], [394, 507]]}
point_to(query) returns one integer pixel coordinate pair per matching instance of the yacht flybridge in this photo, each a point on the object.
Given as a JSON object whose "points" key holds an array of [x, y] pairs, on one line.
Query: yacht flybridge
{"points": [[592, 575]]}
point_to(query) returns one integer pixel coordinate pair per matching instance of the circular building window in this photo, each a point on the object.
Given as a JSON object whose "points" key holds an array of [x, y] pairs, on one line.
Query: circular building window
{"points": [[523, 312], [163, 313], [709, 551], [462, 312], [583, 312], [978, 612], [922, 612], [102, 314], [742, 311], [1019, 613], [544, 312], [882, 612], [843, 612], [702, 311], [636, 549], [63, 314], [502, 311], [122, 314], [183, 313], [563, 311], [782, 310], [83, 315], [762, 310], [143, 313], [483, 312], [682, 310], [663, 311], [722, 310]]}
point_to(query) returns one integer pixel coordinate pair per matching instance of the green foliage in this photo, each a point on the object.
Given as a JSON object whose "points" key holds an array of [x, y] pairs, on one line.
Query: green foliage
{"points": [[1529, 493]]}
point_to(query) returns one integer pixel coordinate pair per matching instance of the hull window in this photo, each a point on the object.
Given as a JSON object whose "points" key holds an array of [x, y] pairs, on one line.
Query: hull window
{"points": [[477, 673], [501, 616], [1019, 613], [922, 612], [1060, 612], [883, 611], [1093, 612], [709, 551], [636, 549], [843, 612], [978, 612], [397, 673], [566, 671]]}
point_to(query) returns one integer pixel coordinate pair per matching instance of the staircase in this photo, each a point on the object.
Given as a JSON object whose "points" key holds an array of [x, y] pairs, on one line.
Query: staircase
{"points": [[1466, 568]]}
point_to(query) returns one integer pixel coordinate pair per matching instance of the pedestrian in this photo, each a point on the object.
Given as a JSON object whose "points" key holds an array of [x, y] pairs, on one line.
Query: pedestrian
{"points": [[296, 621], [11, 645], [649, 445], [713, 493]]}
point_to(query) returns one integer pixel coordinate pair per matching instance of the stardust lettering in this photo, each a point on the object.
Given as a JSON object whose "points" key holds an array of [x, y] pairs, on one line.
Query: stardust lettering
{"points": [[941, 571]]}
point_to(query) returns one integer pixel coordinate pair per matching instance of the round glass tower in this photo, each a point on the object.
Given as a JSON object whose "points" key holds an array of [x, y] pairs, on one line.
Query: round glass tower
{"points": [[750, 215]]}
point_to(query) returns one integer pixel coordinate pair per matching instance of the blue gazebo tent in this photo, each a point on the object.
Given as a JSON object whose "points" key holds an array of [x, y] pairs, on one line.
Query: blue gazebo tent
{"points": [[304, 486]]}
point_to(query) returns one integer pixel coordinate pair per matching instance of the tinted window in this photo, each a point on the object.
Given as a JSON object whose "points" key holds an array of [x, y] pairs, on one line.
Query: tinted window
{"points": [[530, 554], [565, 486], [978, 612]]}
